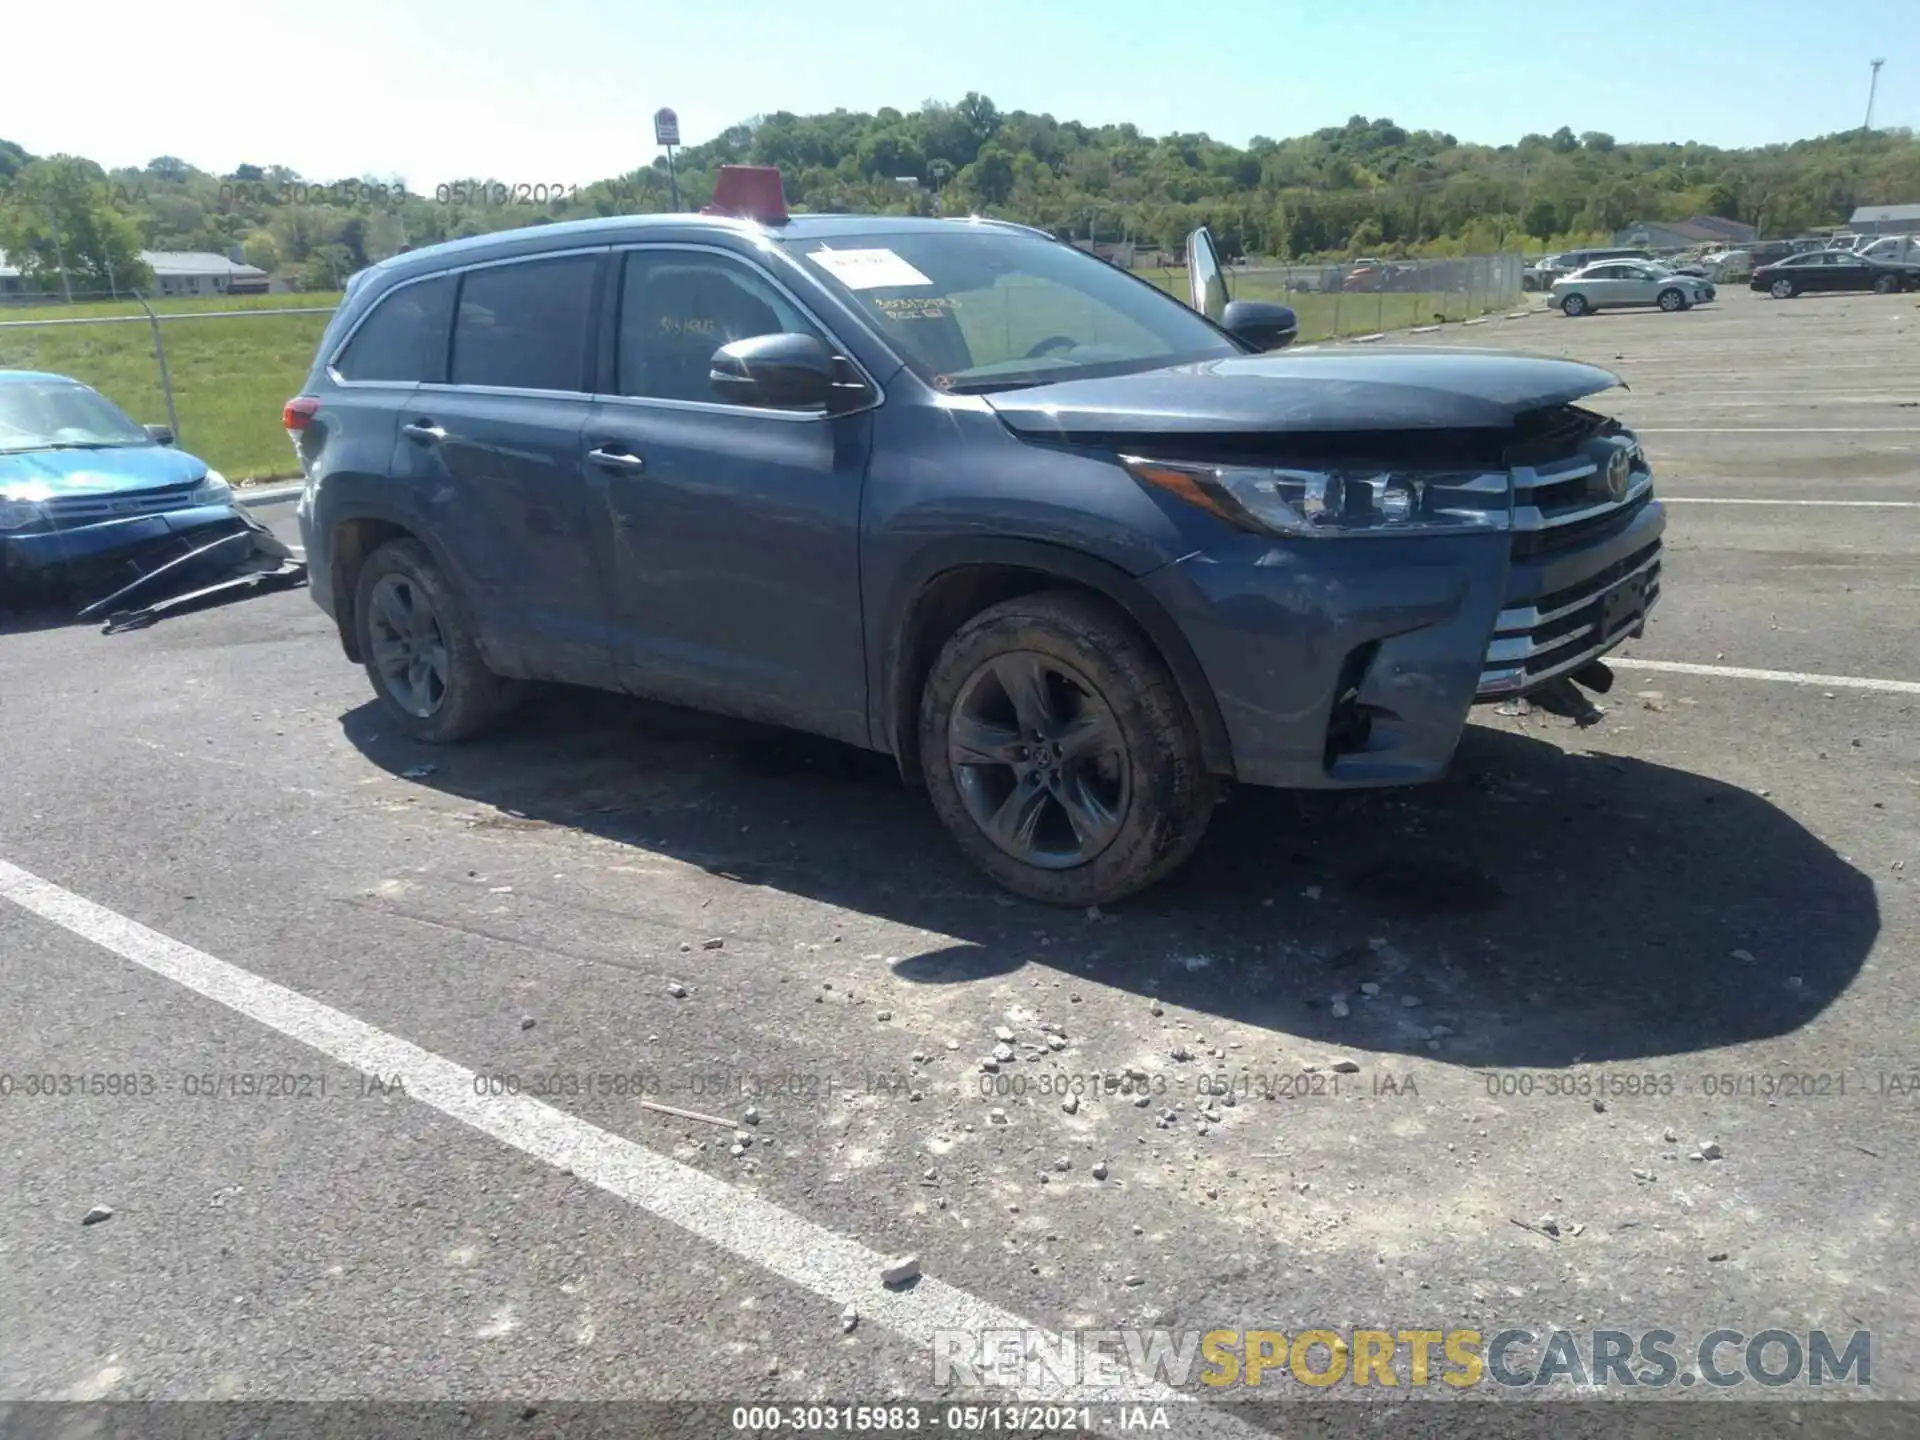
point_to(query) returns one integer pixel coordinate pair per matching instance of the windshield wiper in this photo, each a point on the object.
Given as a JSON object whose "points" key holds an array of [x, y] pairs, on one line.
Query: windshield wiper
{"points": [[89, 444]]}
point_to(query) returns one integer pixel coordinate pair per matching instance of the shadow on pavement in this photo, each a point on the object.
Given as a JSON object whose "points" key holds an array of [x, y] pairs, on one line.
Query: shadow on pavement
{"points": [[1544, 908]]}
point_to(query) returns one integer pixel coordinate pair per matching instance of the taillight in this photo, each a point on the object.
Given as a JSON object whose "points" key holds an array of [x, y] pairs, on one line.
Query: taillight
{"points": [[298, 413]]}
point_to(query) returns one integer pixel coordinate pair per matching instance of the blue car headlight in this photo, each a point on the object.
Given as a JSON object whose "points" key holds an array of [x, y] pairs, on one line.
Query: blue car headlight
{"points": [[213, 489], [20, 506], [1360, 501]]}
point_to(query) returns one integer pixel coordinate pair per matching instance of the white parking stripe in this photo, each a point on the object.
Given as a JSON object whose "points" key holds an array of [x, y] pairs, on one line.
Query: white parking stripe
{"points": [[754, 1229], [1787, 677], [1776, 429], [1730, 500]]}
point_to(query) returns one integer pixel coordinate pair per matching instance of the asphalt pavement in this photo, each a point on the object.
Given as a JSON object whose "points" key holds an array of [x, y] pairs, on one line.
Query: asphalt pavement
{"points": [[1612, 1029]]}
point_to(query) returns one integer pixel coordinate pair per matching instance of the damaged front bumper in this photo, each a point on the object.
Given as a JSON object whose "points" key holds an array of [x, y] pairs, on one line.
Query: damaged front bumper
{"points": [[1341, 663], [136, 566]]}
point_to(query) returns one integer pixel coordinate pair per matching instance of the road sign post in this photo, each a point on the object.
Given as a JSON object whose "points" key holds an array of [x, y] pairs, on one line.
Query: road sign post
{"points": [[666, 131]]}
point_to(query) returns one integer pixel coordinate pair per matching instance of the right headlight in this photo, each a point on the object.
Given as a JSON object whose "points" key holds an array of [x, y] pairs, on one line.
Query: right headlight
{"points": [[1336, 502]]}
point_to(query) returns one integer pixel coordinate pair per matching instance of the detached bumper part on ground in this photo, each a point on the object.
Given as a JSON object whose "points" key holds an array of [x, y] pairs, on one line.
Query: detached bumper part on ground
{"points": [[136, 567]]}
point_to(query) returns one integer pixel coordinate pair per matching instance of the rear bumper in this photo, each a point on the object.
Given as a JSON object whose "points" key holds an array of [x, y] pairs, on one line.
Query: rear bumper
{"points": [[51, 554]]}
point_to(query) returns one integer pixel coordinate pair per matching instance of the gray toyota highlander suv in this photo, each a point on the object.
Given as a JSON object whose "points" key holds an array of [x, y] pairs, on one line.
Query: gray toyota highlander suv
{"points": [[1073, 553]]}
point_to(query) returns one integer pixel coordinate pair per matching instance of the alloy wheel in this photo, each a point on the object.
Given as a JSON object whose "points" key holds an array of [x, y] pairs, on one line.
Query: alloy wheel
{"points": [[1039, 760], [409, 648]]}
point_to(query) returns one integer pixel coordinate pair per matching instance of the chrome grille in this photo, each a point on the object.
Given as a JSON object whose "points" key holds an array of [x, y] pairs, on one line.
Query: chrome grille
{"points": [[1564, 503], [1559, 633]]}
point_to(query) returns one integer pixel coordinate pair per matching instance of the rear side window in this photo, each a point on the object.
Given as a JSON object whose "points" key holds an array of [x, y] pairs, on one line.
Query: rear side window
{"points": [[403, 340], [524, 326]]}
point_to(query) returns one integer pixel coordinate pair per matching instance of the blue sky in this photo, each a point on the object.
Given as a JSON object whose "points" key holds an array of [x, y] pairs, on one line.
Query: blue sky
{"points": [[562, 91]]}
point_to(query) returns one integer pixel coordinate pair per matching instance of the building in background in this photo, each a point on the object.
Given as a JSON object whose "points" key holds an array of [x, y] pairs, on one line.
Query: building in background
{"points": [[1886, 220], [175, 273], [1685, 234]]}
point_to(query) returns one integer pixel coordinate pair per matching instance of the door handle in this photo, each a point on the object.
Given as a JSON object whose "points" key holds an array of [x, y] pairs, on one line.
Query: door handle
{"points": [[616, 459], [425, 431]]}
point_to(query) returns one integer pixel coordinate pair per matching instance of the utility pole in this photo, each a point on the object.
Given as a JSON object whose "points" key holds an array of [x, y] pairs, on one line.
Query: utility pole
{"points": [[1873, 85]]}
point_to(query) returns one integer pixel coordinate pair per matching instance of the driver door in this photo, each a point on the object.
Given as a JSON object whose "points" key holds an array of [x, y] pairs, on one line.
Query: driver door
{"points": [[730, 534], [1637, 285]]}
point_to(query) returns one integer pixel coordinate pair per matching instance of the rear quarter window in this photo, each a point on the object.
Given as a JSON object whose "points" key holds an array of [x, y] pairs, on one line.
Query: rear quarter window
{"points": [[403, 338]]}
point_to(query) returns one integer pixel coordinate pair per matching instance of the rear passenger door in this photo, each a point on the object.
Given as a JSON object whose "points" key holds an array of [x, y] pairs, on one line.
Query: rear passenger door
{"points": [[730, 533], [493, 452]]}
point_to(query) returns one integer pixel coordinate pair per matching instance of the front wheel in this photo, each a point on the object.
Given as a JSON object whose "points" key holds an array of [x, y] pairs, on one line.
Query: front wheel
{"points": [[420, 650], [1058, 751], [1671, 300], [1885, 284], [1781, 289], [1574, 306]]}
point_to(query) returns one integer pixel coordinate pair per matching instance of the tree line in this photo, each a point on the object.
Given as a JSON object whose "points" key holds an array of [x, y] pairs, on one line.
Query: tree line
{"points": [[1367, 186]]}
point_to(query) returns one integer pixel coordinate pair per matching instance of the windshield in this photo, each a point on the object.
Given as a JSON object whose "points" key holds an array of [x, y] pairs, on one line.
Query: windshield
{"points": [[972, 309], [54, 414]]}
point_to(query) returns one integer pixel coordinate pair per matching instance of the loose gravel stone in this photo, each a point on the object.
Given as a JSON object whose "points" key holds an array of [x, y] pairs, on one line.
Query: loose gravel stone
{"points": [[677, 990], [1099, 1169], [900, 1270], [1346, 1067], [97, 1214], [713, 943], [1711, 1151], [1003, 1034]]}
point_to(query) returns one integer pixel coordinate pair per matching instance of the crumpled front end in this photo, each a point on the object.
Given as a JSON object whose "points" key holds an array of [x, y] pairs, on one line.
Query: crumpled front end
{"points": [[1340, 662], [128, 554]]}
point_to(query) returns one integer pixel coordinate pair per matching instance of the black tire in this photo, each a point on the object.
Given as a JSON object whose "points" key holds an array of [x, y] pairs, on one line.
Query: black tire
{"points": [[1885, 284], [1671, 300], [1783, 289], [1089, 654], [1574, 306], [469, 698]]}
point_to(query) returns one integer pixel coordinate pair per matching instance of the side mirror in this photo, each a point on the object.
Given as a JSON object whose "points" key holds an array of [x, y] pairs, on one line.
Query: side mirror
{"points": [[785, 371], [159, 434], [1261, 324]]}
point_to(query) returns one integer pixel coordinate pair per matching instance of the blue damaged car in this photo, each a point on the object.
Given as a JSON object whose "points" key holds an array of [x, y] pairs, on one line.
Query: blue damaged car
{"points": [[1074, 553], [88, 498]]}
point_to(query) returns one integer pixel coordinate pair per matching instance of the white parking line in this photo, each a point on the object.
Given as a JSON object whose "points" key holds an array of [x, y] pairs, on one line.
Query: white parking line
{"points": [[1776, 429], [1785, 677], [754, 1229], [1730, 500]]}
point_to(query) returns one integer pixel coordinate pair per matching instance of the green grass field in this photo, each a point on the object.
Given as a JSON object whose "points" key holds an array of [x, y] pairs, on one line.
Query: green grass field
{"points": [[230, 375]]}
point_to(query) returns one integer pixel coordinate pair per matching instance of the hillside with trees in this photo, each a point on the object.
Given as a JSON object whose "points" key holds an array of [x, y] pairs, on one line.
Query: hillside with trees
{"points": [[1368, 185]]}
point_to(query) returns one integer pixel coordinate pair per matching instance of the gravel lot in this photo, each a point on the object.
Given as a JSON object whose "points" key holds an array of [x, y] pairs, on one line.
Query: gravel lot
{"points": [[1698, 913]]}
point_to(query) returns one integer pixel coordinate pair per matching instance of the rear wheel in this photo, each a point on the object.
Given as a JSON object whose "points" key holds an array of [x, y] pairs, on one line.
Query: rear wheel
{"points": [[1671, 300], [1058, 752], [1885, 284], [420, 651], [1574, 306], [1782, 289]]}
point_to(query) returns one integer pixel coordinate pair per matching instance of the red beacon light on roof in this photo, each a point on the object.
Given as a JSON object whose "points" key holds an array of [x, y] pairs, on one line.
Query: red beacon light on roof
{"points": [[751, 192]]}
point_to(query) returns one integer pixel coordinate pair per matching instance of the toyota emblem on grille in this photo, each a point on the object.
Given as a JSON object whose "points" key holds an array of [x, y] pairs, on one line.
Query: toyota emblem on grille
{"points": [[1619, 470]]}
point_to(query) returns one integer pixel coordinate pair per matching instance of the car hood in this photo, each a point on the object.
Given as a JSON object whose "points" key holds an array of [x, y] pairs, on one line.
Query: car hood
{"points": [[1402, 388], [99, 472]]}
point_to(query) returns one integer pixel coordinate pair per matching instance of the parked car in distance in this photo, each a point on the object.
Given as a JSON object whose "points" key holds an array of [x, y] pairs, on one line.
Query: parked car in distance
{"points": [[1727, 265], [1895, 249], [1073, 554], [89, 497], [1829, 270], [1616, 283]]}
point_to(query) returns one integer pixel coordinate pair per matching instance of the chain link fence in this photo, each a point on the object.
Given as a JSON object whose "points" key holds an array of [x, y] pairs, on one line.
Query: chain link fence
{"points": [[216, 371], [1368, 297]]}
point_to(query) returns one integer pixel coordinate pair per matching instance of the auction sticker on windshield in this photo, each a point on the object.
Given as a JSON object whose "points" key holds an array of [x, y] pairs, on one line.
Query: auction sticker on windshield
{"points": [[868, 269]]}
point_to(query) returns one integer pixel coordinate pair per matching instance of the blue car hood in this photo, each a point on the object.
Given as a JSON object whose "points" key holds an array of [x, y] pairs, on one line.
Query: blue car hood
{"points": [[100, 472], [1343, 388]]}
